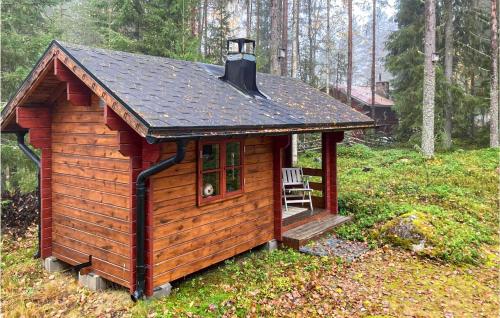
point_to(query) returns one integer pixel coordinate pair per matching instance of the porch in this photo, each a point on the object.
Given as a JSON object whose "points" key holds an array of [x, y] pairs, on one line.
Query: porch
{"points": [[298, 225]]}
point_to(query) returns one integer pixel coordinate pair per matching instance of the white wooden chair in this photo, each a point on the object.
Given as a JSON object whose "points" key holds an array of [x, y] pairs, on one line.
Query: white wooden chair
{"points": [[296, 187]]}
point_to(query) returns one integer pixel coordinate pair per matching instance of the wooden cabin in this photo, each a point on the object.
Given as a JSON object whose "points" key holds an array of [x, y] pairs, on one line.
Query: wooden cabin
{"points": [[385, 116], [152, 168]]}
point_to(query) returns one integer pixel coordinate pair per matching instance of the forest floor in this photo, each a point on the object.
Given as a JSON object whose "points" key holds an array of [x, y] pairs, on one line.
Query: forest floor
{"points": [[455, 275]]}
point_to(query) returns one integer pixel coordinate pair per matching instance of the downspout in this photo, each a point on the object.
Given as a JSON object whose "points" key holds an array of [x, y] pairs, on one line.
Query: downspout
{"points": [[141, 217], [32, 155]]}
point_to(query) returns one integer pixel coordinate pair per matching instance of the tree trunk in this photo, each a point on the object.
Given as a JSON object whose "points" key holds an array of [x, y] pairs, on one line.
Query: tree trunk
{"points": [[249, 19], [448, 72], [310, 67], [205, 27], [295, 65], [374, 13], [284, 39], [429, 79], [200, 25], [328, 47], [257, 24], [494, 77], [295, 38], [349, 51], [275, 37]]}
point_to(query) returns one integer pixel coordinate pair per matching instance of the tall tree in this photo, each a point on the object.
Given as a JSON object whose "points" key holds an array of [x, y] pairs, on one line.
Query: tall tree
{"points": [[328, 47], [284, 38], [205, 27], [295, 38], [26, 32], [374, 21], [429, 79], [295, 65], [311, 63], [494, 77], [257, 23], [349, 51], [275, 37], [249, 19], [448, 72]]}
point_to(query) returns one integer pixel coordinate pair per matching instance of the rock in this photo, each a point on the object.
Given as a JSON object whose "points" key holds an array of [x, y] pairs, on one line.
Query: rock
{"points": [[411, 231], [418, 247]]}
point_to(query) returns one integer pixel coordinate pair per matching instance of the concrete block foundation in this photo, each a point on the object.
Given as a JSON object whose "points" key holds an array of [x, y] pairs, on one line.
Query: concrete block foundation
{"points": [[53, 265], [92, 281], [162, 291], [271, 245]]}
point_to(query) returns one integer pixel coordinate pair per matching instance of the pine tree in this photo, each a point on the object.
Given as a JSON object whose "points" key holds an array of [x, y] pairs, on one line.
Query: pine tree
{"points": [[448, 72], [26, 33], [494, 77], [429, 79]]}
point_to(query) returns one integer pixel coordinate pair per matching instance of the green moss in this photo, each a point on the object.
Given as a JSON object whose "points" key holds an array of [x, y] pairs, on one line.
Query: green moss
{"points": [[407, 230], [456, 191]]}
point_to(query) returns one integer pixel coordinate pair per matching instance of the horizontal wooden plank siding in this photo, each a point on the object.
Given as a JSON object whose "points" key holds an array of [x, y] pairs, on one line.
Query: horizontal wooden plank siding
{"points": [[91, 200], [187, 237]]}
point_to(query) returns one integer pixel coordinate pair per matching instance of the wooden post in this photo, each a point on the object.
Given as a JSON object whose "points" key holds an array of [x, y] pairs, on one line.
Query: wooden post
{"points": [[329, 142], [279, 143]]}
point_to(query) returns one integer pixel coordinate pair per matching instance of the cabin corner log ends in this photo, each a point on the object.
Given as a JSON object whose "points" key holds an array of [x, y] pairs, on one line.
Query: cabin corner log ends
{"points": [[140, 214]]}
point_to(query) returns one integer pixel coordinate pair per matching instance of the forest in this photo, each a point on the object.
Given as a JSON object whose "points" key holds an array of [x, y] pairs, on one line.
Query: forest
{"points": [[435, 173], [326, 43]]}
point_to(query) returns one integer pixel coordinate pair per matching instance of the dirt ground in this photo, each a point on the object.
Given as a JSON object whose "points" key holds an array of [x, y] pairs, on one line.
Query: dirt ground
{"points": [[384, 282]]}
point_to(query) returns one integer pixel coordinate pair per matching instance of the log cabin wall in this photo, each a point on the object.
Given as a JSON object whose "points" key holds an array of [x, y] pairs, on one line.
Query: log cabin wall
{"points": [[91, 201], [187, 237]]}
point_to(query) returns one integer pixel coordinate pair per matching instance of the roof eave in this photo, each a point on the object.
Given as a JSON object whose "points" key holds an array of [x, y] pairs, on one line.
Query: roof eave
{"points": [[163, 135]]}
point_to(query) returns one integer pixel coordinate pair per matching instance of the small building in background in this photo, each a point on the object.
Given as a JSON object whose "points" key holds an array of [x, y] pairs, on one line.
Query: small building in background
{"points": [[361, 100]]}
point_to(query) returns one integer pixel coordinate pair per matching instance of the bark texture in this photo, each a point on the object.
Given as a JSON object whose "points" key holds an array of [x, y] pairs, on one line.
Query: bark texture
{"points": [[448, 72], [374, 14], [284, 38], [249, 19], [295, 65], [328, 47], [429, 79], [349, 51], [295, 38], [494, 77], [275, 37]]}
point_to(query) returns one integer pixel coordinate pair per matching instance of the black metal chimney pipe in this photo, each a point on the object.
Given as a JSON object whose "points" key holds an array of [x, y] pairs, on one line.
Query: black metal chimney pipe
{"points": [[241, 69], [141, 218], [30, 154]]}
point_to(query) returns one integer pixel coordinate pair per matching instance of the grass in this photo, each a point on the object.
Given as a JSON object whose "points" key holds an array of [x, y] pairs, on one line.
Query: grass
{"points": [[455, 194]]}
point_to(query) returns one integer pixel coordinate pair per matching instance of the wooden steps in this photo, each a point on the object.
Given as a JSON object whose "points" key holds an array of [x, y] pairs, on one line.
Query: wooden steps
{"points": [[301, 235]]}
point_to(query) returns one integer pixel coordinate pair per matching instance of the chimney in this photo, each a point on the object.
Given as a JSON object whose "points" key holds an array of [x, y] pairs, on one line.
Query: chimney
{"points": [[241, 69], [382, 89]]}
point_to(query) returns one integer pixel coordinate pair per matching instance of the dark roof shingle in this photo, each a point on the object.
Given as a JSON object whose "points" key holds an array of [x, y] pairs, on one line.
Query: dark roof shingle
{"points": [[171, 95]]}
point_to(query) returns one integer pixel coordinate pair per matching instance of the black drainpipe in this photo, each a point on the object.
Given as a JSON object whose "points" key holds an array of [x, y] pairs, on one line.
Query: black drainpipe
{"points": [[141, 218], [28, 152]]}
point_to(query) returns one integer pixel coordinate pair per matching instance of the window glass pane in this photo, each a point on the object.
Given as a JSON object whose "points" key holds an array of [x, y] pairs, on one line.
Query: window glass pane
{"points": [[210, 157], [211, 184], [233, 180], [233, 154]]}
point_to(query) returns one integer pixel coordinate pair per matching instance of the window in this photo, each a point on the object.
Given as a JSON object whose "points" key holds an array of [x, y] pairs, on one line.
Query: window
{"points": [[220, 169]]}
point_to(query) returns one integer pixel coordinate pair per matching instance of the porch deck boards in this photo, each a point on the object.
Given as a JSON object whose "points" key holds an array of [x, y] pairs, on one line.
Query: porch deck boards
{"points": [[301, 235], [296, 214]]}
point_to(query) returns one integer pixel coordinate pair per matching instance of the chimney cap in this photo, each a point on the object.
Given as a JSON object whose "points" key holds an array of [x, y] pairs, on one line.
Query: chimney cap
{"points": [[241, 44]]}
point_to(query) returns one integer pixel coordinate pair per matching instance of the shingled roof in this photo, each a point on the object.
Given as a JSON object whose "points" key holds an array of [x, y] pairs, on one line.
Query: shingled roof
{"points": [[364, 95], [174, 98]]}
